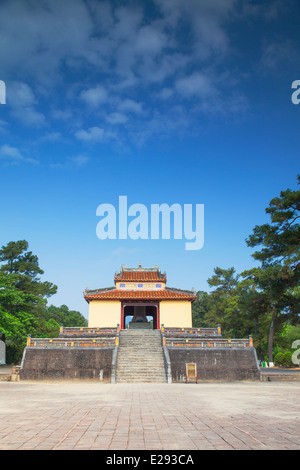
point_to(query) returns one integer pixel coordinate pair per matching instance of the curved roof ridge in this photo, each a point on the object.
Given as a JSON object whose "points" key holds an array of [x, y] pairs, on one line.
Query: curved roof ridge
{"points": [[121, 294], [175, 289], [140, 274]]}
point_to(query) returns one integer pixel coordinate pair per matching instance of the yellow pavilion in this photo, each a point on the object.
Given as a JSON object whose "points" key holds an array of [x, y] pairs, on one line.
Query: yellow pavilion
{"points": [[140, 299]]}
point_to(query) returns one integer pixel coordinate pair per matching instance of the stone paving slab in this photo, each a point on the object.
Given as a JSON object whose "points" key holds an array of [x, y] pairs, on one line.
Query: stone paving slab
{"points": [[90, 415]]}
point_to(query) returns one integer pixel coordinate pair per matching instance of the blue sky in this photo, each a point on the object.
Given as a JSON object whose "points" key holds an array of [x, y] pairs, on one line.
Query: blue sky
{"points": [[164, 101]]}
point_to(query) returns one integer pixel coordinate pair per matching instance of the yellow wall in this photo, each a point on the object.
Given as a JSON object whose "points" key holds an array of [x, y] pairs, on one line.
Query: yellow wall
{"points": [[104, 313], [107, 313], [146, 285], [174, 313]]}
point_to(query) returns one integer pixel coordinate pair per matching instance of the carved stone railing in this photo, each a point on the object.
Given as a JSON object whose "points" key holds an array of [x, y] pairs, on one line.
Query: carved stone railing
{"points": [[167, 360], [188, 332], [115, 356], [71, 342], [208, 343], [86, 331]]}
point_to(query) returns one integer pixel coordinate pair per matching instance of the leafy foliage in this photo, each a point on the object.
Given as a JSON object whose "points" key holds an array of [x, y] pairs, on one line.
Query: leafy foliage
{"points": [[261, 301], [23, 301]]}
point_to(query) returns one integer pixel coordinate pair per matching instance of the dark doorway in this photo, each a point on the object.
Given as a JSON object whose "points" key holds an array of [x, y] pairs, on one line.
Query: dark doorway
{"points": [[151, 312]]}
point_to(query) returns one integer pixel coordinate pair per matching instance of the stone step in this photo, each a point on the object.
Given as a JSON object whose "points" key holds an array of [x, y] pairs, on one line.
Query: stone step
{"points": [[140, 331], [134, 361], [143, 366], [138, 353], [140, 371], [123, 363], [143, 372], [140, 346], [148, 342], [134, 377], [148, 373], [140, 337], [142, 379], [140, 340], [5, 377], [140, 357], [139, 378], [147, 347]]}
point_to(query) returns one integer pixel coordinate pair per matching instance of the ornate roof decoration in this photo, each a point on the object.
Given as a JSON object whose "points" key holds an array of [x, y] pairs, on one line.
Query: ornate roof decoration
{"points": [[141, 275], [119, 294]]}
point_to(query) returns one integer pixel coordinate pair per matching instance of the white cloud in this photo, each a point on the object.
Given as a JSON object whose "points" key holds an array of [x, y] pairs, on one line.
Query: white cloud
{"points": [[206, 20], [128, 21], [131, 106], [130, 54], [3, 126], [21, 100], [51, 137], [93, 134], [29, 116], [39, 36], [94, 96], [63, 114], [165, 93], [10, 153], [276, 56], [20, 94], [80, 160], [117, 118], [150, 40], [197, 84]]}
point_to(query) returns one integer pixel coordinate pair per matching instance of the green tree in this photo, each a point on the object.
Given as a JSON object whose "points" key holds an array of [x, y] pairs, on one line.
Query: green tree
{"points": [[279, 249], [17, 259], [16, 317], [200, 309], [23, 296], [63, 316], [254, 305], [224, 302], [23, 301], [222, 305]]}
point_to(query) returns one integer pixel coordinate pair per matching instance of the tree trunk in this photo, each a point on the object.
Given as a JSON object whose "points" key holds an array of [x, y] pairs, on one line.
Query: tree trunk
{"points": [[256, 329], [271, 336]]}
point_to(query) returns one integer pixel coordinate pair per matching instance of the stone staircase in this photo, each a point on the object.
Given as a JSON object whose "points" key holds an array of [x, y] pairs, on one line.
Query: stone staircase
{"points": [[140, 357]]}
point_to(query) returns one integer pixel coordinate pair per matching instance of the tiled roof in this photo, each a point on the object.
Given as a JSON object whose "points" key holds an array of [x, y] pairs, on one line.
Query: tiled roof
{"points": [[120, 294], [140, 274]]}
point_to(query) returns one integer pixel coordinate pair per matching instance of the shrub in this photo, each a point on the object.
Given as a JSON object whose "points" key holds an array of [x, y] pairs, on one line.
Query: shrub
{"points": [[279, 358], [287, 359]]}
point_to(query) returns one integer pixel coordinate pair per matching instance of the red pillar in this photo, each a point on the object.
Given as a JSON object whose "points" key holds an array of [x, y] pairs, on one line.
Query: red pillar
{"points": [[122, 317], [157, 317]]}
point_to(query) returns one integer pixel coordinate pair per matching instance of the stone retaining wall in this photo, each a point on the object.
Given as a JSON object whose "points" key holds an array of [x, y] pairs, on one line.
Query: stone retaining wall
{"points": [[224, 364], [66, 363]]}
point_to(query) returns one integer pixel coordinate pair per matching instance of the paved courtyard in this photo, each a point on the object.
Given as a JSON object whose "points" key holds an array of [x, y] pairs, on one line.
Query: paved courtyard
{"points": [[92, 415]]}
